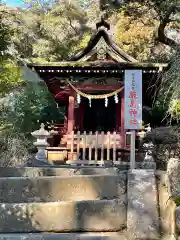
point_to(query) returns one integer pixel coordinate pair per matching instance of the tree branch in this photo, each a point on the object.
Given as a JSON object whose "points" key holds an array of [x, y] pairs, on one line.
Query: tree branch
{"points": [[164, 20], [71, 25]]}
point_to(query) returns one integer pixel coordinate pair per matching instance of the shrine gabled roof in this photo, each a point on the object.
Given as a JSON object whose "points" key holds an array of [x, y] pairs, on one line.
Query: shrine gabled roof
{"points": [[101, 41], [100, 45], [92, 69], [101, 65]]}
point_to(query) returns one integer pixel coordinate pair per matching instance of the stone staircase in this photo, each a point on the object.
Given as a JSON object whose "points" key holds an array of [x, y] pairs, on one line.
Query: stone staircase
{"points": [[63, 204], [77, 204]]}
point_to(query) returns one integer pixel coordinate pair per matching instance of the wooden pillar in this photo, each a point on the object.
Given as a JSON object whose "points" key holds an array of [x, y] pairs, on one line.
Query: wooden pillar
{"points": [[122, 121], [81, 116], [71, 114], [76, 118], [78, 113], [118, 115], [66, 118]]}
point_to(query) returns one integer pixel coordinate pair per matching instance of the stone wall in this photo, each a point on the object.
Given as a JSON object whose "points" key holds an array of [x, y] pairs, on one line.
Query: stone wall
{"points": [[173, 185]]}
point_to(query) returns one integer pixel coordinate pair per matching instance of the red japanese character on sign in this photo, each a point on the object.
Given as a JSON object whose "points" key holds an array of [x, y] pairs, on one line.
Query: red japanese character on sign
{"points": [[133, 103], [132, 95], [133, 121], [133, 112]]}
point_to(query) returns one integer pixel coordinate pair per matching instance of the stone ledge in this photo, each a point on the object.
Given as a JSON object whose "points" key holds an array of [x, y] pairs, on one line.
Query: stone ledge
{"points": [[51, 189], [96, 216], [56, 171], [65, 236]]}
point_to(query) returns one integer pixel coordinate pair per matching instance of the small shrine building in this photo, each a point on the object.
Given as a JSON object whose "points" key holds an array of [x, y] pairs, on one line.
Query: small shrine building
{"points": [[91, 85]]}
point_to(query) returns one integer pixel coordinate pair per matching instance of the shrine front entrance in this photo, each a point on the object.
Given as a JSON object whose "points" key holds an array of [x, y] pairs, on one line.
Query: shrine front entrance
{"points": [[99, 117]]}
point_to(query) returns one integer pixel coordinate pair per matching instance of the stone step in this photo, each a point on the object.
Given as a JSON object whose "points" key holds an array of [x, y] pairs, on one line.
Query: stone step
{"points": [[65, 236], [75, 216], [57, 171], [56, 188]]}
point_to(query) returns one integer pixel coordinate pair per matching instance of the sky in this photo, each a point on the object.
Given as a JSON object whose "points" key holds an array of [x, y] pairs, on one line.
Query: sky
{"points": [[14, 3]]}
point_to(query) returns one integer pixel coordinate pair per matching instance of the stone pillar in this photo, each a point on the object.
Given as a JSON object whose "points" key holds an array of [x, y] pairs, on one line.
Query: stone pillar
{"points": [[149, 161], [142, 210], [173, 174], [122, 121], [71, 114], [41, 143], [141, 136]]}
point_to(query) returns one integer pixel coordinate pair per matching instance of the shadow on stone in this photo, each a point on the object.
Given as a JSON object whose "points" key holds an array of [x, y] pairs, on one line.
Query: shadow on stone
{"points": [[89, 215]]}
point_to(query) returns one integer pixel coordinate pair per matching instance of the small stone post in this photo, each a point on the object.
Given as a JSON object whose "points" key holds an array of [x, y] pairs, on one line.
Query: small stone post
{"points": [[149, 161], [41, 143]]}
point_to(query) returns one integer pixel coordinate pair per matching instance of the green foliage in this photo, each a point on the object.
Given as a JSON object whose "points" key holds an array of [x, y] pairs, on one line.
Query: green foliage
{"points": [[48, 33], [174, 109], [171, 88], [159, 111], [33, 104], [135, 30], [10, 77], [5, 35], [14, 149], [176, 200], [52, 31], [82, 44]]}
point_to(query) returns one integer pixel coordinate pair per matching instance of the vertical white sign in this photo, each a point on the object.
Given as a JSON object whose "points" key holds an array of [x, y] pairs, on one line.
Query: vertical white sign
{"points": [[133, 100]]}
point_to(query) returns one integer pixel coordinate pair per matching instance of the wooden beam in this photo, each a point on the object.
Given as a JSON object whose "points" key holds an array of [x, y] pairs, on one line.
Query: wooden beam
{"points": [[97, 87]]}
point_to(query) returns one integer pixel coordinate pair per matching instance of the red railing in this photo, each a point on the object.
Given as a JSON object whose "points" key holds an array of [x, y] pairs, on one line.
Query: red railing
{"points": [[61, 129]]}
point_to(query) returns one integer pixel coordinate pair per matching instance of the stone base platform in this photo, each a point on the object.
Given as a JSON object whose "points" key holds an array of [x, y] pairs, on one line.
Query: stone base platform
{"points": [[66, 236]]}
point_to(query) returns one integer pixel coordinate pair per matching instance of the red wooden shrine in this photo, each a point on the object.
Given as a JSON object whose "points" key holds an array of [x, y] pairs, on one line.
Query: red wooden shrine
{"points": [[97, 69]]}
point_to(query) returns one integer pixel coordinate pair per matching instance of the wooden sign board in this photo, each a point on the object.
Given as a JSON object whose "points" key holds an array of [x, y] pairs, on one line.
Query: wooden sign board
{"points": [[133, 100], [133, 108]]}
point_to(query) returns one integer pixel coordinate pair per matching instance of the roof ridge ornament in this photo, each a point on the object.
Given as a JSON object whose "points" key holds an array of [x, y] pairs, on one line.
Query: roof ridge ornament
{"points": [[101, 48], [103, 23]]}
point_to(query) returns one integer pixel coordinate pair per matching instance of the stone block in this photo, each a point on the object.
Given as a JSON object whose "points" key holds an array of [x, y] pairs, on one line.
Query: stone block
{"points": [[178, 219], [148, 165], [142, 211], [76, 216], [51, 189]]}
